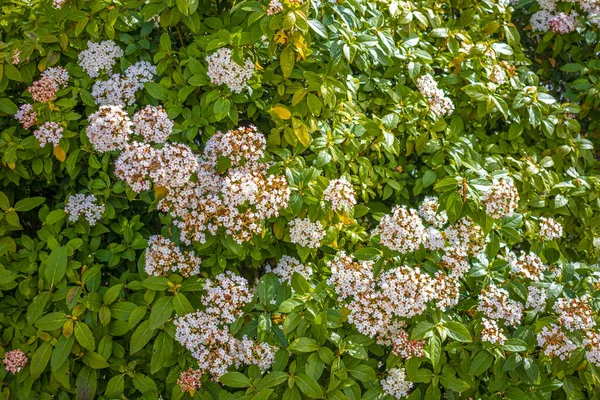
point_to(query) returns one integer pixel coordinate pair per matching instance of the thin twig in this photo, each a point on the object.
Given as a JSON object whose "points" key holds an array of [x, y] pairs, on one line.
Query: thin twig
{"points": [[180, 35]]}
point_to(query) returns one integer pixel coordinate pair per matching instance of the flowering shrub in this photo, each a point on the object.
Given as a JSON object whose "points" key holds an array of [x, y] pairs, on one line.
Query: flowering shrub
{"points": [[288, 199]]}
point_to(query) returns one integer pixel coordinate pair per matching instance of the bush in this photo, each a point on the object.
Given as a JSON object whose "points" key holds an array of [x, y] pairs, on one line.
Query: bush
{"points": [[284, 200]]}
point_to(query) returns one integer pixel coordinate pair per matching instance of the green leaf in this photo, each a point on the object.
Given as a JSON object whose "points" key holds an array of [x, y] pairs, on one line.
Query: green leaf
{"points": [[453, 383], [115, 386], [482, 361], [161, 351], [318, 27], [367, 254], [182, 304], [187, 7], [86, 383], [435, 351], [156, 91], [363, 373], [141, 337], [94, 360], [235, 380], [8, 107], [157, 283], [267, 288], [514, 344], [422, 375], [36, 308], [221, 108], [165, 42], [273, 378], [40, 360], [309, 386], [458, 331], [61, 351], [303, 345], [51, 321], [112, 293], [29, 203], [286, 61], [84, 336], [161, 312], [56, 265]]}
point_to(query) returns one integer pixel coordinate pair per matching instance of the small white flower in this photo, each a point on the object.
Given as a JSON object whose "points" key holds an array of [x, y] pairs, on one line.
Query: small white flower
{"points": [[99, 57], [81, 204], [223, 70], [306, 233]]}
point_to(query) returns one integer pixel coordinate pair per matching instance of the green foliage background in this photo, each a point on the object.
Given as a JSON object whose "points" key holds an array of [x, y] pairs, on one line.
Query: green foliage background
{"points": [[335, 94]]}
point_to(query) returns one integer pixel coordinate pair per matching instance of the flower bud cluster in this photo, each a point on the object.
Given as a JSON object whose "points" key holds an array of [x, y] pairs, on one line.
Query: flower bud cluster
{"points": [[26, 115], [15, 361]]}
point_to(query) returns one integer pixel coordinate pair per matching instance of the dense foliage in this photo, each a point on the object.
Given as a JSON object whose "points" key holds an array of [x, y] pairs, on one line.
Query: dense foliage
{"points": [[294, 199]]}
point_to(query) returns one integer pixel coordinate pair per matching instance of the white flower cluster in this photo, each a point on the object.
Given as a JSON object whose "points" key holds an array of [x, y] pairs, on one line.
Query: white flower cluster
{"points": [[99, 57], [429, 211], [536, 299], [561, 23], [223, 70], [575, 314], [497, 75], [446, 288], [58, 3], [457, 265], [592, 343], [49, 132], [163, 256], [395, 384], [502, 199], [141, 165], [340, 194], [402, 230], [237, 198], [287, 266], [206, 334], [275, 7], [555, 343], [58, 75], [439, 104], [465, 238], [433, 239], [407, 291], [550, 229], [109, 128], [306, 233], [406, 348], [529, 266], [496, 304], [491, 332], [120, 89], [81, 204], [378, 306], [242, 146], [26, 115], [153, 124]]}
